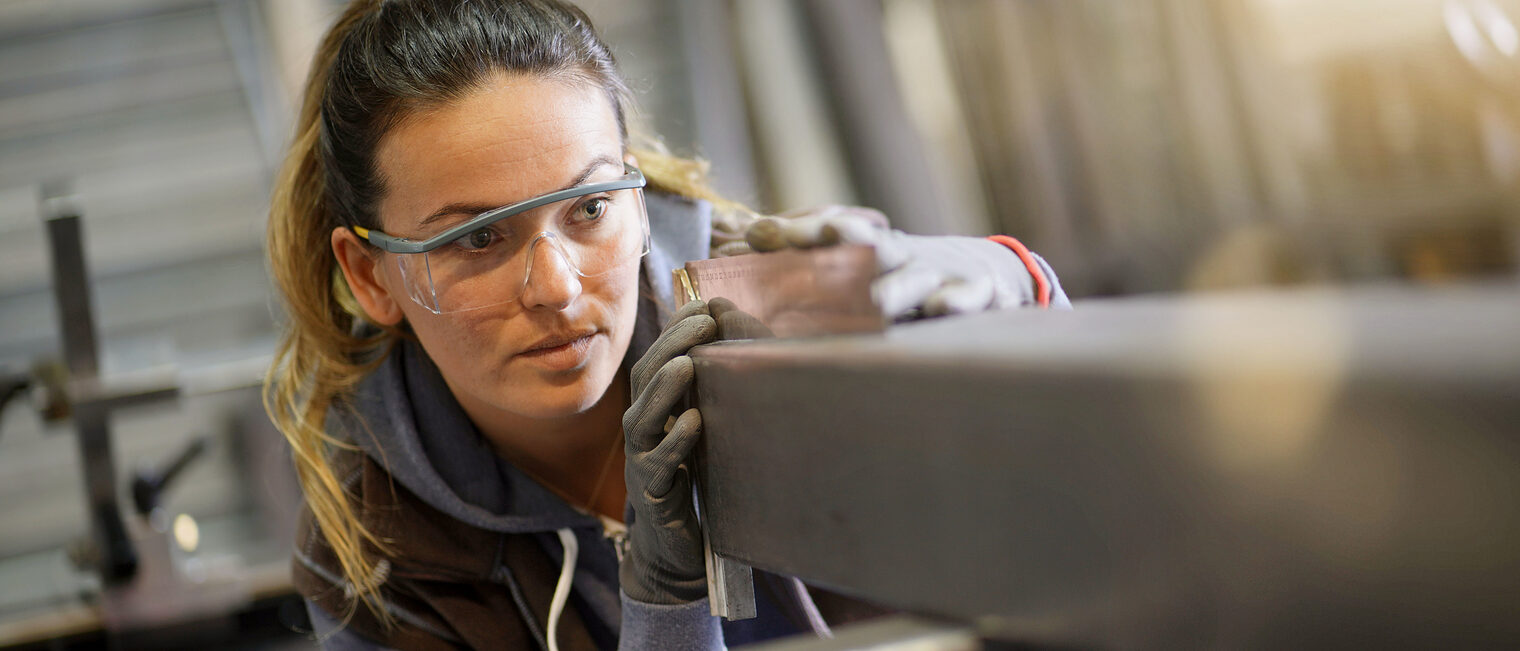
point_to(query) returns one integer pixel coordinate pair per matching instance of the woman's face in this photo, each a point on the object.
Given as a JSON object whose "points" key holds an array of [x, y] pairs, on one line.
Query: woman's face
{"points": [[515, 138]]}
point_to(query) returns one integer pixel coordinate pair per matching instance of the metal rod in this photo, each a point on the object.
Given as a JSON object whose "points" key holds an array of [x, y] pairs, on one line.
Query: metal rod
{"points": [[76, 323]]}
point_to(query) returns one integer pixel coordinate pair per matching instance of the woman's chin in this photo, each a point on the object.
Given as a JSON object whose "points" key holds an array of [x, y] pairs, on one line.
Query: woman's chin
{"points": [[547, 401]]}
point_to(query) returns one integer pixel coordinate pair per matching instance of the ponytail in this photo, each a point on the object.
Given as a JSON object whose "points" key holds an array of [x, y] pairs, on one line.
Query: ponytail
{"points": [[318, 358]]}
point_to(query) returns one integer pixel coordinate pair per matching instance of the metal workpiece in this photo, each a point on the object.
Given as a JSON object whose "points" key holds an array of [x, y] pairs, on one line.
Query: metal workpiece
{"points": [[1277, 470]]}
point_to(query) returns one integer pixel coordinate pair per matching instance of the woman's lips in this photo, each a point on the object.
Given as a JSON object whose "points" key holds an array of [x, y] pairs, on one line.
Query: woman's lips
{"points": [[564, 357]]}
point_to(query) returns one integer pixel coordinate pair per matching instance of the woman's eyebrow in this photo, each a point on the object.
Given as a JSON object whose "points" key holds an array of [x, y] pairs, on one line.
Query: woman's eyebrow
{"points": [[477, 208]]}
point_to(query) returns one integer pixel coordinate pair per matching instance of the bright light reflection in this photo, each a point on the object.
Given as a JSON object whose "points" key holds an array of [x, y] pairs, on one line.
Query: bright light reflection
{"points": [[187, 534], [1500, 29], [1463, 30]]}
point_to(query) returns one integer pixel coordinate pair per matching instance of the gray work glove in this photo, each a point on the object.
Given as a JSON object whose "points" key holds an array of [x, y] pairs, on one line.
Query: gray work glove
{"points": [[734, 323], [920, 275], [664, 563]]}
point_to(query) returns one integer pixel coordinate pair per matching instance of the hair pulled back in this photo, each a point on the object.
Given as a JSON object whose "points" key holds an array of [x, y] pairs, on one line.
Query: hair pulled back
{"points": [[381, 62], [401, 57]]}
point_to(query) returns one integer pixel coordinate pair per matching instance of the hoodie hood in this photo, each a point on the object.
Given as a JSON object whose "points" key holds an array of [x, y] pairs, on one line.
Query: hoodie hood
{"points": [[405, 418]]}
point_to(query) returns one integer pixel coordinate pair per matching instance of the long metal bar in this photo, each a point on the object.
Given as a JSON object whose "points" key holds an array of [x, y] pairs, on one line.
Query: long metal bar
{"points": [[117, 559], [716, 89], [1284, 470], [887, 156], [245, 34]]}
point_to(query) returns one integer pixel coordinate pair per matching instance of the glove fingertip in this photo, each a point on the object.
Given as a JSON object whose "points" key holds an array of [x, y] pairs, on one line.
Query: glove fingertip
{"points": [[689, 309], [958, 296], [851, 228], [700, 329], [679, 368], [719, 305], [804, 232], [732, 249], [691, 330], [738, 325], [766, 234], [689, 421], [671, 454], [904, 291]]}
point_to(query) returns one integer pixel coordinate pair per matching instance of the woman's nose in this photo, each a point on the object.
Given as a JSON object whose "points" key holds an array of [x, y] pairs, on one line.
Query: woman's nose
{"points": [[551, 281]]}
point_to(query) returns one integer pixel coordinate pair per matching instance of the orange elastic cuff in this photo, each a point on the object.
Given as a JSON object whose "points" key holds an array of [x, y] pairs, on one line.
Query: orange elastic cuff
{"points": [[1041, 283]]}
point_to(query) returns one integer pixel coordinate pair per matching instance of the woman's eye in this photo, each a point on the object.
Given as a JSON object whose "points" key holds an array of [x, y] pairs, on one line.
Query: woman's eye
{"points": [[477, 240], [594, 209]]}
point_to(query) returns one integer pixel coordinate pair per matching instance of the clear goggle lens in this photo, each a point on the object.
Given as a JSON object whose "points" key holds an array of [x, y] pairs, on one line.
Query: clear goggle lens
{"points": [[592, 234]]}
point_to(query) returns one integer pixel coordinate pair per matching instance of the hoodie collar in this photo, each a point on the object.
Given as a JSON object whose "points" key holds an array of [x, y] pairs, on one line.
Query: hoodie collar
{"points": [[407, 421]]}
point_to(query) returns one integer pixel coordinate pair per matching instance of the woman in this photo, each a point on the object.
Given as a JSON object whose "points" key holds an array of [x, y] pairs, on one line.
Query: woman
{"points": [[475, 263]]}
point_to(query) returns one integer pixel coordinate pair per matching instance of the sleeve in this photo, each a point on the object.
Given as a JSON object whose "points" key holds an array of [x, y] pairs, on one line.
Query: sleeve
{"points": [[1058, 299], [332, 636], [1047, 288], [682, 627]]}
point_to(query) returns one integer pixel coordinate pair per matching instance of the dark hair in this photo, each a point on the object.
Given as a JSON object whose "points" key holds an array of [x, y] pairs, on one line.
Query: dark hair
{"points": [[408, 55]]}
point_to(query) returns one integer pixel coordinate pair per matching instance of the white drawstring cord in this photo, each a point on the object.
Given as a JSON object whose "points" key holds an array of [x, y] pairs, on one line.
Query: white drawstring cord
{"points": [[562, 590]]}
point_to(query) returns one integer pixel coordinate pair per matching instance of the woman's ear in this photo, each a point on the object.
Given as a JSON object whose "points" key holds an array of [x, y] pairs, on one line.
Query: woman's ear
{"points": [[361, 270]]}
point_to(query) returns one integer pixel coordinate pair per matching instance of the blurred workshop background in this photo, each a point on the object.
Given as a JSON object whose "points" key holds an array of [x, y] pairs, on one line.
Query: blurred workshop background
{"points": [[1142, 146]]}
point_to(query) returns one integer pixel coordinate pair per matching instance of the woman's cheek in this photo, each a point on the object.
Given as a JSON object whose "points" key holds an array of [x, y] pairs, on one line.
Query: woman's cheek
{"points": [[626, 302], [468, 344]]}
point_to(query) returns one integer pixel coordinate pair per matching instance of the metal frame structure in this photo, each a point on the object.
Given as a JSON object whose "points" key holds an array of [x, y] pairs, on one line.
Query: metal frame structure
{"points": [[117, 560]]}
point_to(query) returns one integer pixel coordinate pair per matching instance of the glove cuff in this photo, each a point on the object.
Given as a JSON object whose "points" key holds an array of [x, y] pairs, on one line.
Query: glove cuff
{"points": [[1041, 283], [649, 580]]}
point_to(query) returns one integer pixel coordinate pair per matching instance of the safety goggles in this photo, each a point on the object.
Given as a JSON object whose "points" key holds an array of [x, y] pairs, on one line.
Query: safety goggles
{"points": [[486, 260]]}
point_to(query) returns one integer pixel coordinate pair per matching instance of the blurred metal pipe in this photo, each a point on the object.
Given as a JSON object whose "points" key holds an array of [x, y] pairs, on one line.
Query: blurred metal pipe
{"points": [[802, 161], [717, 96], [248, 42], [295, 27], [1209, 100], [887, 158]]}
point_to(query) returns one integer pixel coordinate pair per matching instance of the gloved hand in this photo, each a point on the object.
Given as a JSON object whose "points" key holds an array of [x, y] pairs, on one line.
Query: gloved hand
{"points": [[734, 323], [920, 275], [664, 563]]}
